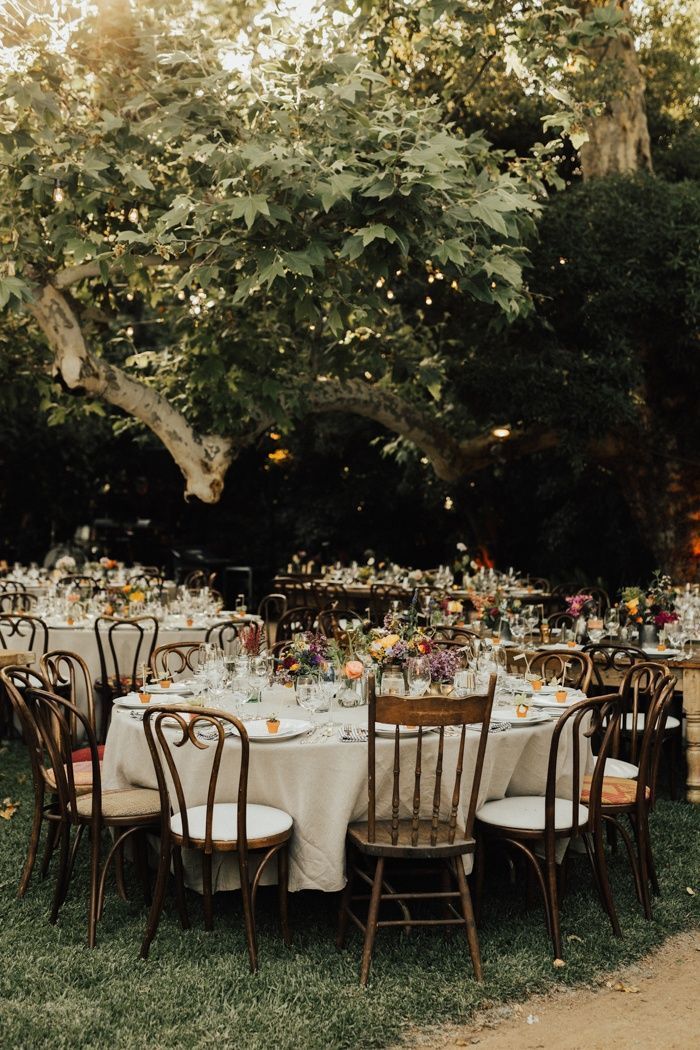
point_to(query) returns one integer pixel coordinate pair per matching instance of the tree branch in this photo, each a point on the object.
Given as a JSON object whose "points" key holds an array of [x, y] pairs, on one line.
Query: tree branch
{"points": [[203, 460], [81, 272]]}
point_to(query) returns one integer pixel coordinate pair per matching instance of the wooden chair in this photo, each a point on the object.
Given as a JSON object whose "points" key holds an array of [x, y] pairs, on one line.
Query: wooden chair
{"points": [[271, 609], [535, 825], [23, 631], [11, 587], [120, 671], [571, 666], [327, 594], [174, 658], [381, 597], [17, 601], [600, 597], [223, 633], [87, 586], [68, 675], [15, 681], [609, 658], [296, 621], [124, 813], [298, 592], [637, 692], [334, 622], [198, 579], [240, 827], [635, 799], [415, 838], [561, 619]]}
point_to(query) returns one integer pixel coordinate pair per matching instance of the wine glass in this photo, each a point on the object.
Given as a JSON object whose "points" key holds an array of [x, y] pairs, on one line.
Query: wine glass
{"points": [[418, 675], [517, 629]]}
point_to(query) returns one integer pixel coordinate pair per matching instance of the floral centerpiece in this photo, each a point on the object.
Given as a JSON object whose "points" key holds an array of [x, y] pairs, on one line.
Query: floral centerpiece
{"points": [[400, 638], [652, 606], [577, 604], [308, 654], [443, 665], [252, 639], [463, 562]]}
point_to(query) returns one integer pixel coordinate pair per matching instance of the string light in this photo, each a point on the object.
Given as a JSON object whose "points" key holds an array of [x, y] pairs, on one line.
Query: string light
{"points": [[58, 194], [501, 432]]}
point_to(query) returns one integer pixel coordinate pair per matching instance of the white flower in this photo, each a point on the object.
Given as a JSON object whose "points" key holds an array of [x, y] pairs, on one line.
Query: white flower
{"points": [[461, 546]]}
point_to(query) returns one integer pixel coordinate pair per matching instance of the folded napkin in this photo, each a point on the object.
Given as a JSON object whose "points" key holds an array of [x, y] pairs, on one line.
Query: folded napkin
{"points": [[497, 726], [351, 734], [212, 733]]}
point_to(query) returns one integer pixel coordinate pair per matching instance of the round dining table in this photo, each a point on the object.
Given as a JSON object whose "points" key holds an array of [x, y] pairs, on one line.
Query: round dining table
{"points": [[320, 778]]}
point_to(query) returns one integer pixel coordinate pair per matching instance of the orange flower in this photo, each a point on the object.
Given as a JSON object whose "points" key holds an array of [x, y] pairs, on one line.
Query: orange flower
{"points": [[137, 596], [353, 669]]}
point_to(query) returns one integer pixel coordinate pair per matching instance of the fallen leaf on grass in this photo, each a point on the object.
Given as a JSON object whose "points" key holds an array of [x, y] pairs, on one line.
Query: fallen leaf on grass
{"points": [[558, 963], [575, 937], [627, 988], [21, 778], [8, 809], [690, 890]]}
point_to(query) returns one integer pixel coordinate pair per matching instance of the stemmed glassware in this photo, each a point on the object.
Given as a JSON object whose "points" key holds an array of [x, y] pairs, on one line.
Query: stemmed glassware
{"points": [[418, 675]]}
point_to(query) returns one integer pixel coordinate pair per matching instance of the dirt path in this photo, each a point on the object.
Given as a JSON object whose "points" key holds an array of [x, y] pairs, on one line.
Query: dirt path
{"points": [[653, 1005]]}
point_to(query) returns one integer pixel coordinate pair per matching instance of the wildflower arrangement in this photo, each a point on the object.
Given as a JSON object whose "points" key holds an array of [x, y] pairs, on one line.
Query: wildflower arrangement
{"points": [[576, 603], [463, 562], [400, 638], [252, 639], [443, 665], [308, 654], [654, 604]]}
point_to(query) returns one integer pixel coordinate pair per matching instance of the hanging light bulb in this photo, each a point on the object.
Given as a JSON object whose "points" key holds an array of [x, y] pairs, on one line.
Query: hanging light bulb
{"points": [[58, 194], [133, 215]]}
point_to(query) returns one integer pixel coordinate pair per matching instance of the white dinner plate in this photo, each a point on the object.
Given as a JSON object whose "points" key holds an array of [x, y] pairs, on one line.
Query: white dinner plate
{"points": [[386, 729], [531, 720], [174, 687], [661, 654], [561, 645], [572, 697], [132, 703], [289, 728]]}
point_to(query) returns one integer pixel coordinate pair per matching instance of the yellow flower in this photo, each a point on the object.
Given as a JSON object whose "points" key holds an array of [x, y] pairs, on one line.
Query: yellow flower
{"points": [[137, 596], [389, 641]]}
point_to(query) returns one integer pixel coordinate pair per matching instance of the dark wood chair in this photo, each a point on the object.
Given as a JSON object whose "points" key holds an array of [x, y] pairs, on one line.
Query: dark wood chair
{"points": [[233, 827], [124, 813], [382, 596], [570, 666], [327, 594], [634, 799], [223, 633], [24, 632], [68, 675], [86, 586], [123, 647], [335, 622], [561, 619], [296, 621], [535, 826], [297, 591], [270, 610], [414, 838], [611, 659], [198, 579], [174, 658], [11, 586], [17, 602], [637, 691]]}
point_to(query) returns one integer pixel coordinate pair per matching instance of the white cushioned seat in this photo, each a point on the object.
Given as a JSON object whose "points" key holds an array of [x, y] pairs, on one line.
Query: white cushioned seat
{"points": [[671, 722], [261, 822], [615, 767], [526, 813]]}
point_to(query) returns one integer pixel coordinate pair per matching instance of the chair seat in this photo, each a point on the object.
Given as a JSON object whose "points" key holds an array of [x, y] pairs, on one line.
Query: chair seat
{"points": [[526, 813], [83, 754], [382, 845], [262, 824], [82, 777], [615, 767], [616, 791], [140, 803], [671, 722]]}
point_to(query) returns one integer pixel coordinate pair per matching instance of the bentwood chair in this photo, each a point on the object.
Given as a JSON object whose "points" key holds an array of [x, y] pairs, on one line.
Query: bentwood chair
{"points": [[17, 602], [15, 681], [174, 658], [573, 668], [637, 692], [23, 631], [68, 675], [561, 619], [381, 598], [271, 609], [335, 622], [634, 799], [223, 633], [228, 827], [611, 659], [124, 648], [296, 621], [408, 835], [543, 826], [124, 813], [86, 586]]}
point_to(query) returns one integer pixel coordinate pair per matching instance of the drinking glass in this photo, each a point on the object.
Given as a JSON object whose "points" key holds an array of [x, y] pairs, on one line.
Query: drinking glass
{"points": [[418, 674], [517, 628], [306, 688]]}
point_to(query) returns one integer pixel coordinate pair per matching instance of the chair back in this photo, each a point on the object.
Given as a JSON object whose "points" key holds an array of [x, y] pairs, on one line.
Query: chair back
{"points": [[86, 586], [11, 586], [169, 730], [561, 619], [296, 621], [427, 712], [637, 691], [23, 631], [653, 738], [381, 596], [570, 666], [326, 594], [15, 681], [611, 658], [223, 634], [55, 719], [334, 622], [69, 676], [17, 601], [124, 646], [598, 717], [297, 591], [174, 658], [271, 609]]}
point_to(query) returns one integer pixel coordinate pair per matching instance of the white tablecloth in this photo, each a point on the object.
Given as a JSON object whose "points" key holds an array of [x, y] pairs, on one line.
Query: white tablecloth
{"points": [[322, 782]]}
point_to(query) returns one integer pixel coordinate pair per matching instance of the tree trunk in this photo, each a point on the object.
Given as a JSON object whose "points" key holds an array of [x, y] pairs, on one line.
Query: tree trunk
{"points": [[618, 140]]}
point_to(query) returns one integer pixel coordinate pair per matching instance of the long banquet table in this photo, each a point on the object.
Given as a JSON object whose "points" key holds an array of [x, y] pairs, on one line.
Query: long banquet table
{"points": [[321, 781]]}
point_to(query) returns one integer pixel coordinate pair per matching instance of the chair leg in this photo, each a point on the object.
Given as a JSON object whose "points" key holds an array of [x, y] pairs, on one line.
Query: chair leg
{"points": [[35, 835], [158, 895], [283, 892], [119, 874], [653, 878], [479, 873], [552, 897], [372, 919], [54, 827], [345, 900], [94, 897], [180, 895], [141, 862], [59, 892], [601, 863], [641, 834], [468, 913], [207, 891], [249, 918]]}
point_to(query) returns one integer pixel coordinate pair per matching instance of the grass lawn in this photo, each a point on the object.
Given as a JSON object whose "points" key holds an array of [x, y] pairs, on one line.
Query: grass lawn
{"points": [[196, 990]]}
